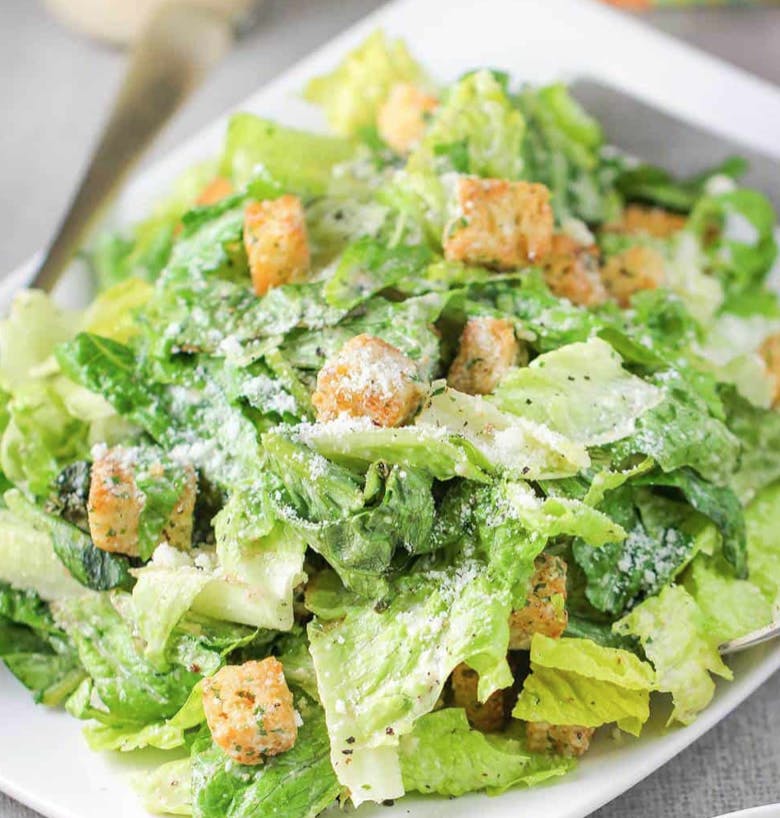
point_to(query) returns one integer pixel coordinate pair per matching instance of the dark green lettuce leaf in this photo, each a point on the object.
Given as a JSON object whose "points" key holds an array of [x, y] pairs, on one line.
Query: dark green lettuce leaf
{"points": [[299, 783], [130, 689], [34, 649], [661, 540], [93, 568], [656, 186]]}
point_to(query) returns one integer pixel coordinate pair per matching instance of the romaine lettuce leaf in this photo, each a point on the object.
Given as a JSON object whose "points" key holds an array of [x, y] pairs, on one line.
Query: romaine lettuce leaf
{"points": [[562, 149], [674, 635], [764, 543], [130, 689], [518, 446], [444, 755], [164, 735], [28, 560], [93, 568], [34, 649], [758, 431], [284, 159], [296, 784], [477, 118], [166, 790], [352, 93], [663, 536], [681, 431], [382, 667], [580, 391], [358, 525], [718, 503], [368, 266], [731, 607], [576, 681], [744, 247]]}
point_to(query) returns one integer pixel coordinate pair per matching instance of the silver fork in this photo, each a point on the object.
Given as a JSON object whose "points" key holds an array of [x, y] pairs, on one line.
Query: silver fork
{"points": [[175, 51]]}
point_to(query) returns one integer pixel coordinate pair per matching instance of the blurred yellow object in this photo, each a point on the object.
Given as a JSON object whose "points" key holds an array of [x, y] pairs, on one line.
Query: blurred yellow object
{"points": [[120, 21]]}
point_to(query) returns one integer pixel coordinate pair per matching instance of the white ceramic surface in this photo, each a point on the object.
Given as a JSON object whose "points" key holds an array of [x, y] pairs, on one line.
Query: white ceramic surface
{"points": [[44, 761], [768, 811]]}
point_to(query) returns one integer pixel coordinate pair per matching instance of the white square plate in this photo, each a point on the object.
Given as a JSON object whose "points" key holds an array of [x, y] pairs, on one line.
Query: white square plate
{"points": [[44, 761]]}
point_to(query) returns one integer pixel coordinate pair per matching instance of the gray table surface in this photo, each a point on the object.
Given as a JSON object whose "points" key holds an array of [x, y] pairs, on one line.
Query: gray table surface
{"points": [[54, 89]]}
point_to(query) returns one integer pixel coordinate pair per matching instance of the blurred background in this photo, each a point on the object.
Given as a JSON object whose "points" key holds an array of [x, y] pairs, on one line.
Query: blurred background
{"points": [[56, 82]]}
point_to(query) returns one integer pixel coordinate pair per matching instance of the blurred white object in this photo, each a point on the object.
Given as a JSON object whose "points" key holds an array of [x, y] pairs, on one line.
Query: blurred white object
{"points": [[119, 21]]}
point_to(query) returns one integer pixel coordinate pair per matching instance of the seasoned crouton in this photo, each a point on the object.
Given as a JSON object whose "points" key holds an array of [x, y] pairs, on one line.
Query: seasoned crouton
{"points": [[647, 221], [635, 269], [545, 610], [770, 352], [487, 716], [563, 740], [115, 505], [401, 119], [486, 350], [276, 242], [216, 190], [572, 271], [499, 224], [368, 378], [249, 710]]}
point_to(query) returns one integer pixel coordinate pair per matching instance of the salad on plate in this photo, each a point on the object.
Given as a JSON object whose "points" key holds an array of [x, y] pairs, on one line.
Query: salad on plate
{"points": [[400, 459]]}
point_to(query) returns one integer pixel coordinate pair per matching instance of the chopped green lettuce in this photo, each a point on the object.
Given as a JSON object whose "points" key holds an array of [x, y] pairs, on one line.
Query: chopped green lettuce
{"points": [[522, 447], [764, 543], [662, 537], [382, 667], [744, 245], [443, 755], [34, 649], [576, 681], [131, 690], [93, 568], [164, 735], [674, 634], [28, 559], [282, 159], [297, 784], [353, 92], [731, 607], [580, 391], [477, 117], [166, 790]]}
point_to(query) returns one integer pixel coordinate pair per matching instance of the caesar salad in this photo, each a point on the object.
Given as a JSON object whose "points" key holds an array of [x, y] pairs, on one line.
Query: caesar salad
{"points": [[398, 459]]}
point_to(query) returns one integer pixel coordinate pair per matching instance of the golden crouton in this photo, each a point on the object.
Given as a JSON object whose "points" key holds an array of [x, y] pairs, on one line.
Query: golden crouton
{"points": [[635, 269], [563, 740], [276, 242], [249, 710], [545, 610], [115, 505], [488, 716], [572, 271], [216, 190], [487, 348], [770, 352], [499, 224], [401, 119], [368, 378], [648, 221]]}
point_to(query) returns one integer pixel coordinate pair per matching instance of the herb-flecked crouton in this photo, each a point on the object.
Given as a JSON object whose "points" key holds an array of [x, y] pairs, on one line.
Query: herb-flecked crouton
{"points": [[499, 224], [368, 378], [249, 710]]}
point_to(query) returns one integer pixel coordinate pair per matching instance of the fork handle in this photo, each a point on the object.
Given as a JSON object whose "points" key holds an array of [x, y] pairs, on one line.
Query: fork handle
{"points": [[176, 49]]}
